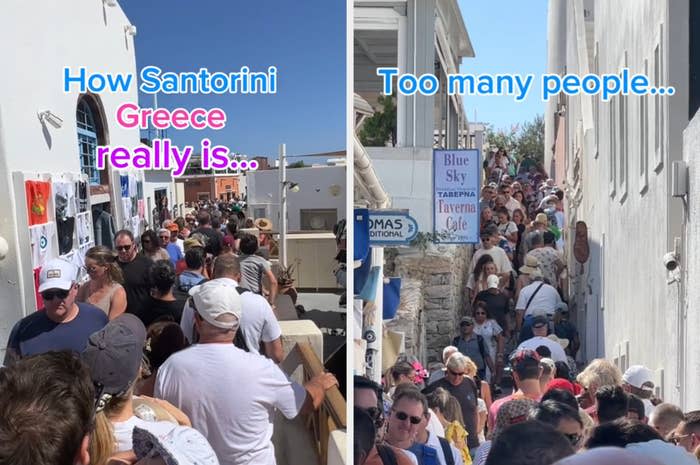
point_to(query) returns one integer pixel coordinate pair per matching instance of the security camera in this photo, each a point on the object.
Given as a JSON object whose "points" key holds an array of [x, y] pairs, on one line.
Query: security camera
{"points": [[670, 261]]}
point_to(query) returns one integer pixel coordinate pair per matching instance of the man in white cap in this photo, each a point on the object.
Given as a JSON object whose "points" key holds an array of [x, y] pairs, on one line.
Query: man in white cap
{"points": [[63, 323], [229, 394], [639, 380]]}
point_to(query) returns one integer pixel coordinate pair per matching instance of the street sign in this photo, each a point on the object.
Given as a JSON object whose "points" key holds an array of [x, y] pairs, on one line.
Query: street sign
{"points": [[456, 184], [391, 228]]}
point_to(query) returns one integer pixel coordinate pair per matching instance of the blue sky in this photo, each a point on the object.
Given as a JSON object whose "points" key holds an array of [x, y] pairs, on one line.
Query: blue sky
{"points": [[508, 36], [305, 40]]}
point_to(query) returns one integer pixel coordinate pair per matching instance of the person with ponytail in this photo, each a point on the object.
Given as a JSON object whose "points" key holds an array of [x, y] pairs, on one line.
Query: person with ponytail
{"points": [[104, 289]]}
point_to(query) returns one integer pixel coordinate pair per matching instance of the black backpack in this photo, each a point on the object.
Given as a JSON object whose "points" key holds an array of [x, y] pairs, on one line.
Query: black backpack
{"points": [[447, 451], [239, 340]]}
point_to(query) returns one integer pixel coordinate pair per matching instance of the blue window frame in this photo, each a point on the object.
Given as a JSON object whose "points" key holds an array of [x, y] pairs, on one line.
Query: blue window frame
{"points": [[87, 142]]}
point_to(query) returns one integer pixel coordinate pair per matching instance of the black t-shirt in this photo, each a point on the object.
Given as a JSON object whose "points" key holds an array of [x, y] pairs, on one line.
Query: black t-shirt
{"points": [[213, 240], [136, 284], [162, 310], [466, 395], [496, 304]]}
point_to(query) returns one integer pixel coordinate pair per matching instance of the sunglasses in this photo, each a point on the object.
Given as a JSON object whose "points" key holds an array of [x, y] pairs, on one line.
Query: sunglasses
{"points": [[91, 269], [124, 248], [164, 237], [402, 416], [479, 313], [466, 324], [677, 439], [454, 373], [50, 295]]}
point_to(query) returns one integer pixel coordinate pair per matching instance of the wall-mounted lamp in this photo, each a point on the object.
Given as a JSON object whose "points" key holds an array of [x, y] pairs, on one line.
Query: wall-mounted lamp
{"points": [[111, 3], [130, 29], [47, 116], [291, 186]]}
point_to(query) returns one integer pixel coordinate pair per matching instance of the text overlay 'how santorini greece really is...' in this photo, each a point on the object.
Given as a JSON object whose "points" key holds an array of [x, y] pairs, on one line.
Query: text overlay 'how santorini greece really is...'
{"points": [[163, 154]]}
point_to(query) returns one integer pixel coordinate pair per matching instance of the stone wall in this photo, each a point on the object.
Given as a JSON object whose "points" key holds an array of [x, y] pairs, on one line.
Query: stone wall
{"points": [[409, 317], [442, 272]]}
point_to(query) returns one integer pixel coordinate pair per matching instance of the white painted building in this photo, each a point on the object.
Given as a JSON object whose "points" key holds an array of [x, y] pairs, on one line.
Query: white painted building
{"points": [[616, 160], [317, 206], [36, 42], [419, 37]]}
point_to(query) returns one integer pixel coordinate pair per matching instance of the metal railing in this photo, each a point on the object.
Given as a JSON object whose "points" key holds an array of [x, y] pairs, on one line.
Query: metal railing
{"points": [[332, 414]]}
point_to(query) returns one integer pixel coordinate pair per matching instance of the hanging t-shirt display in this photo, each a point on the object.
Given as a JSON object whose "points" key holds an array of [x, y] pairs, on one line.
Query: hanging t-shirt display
{"points": [[132, 186], [66, 229], [64, 199], [38, 195], [42, 240], [124, 183], [141, 209], [83, 229], [82, 196]]}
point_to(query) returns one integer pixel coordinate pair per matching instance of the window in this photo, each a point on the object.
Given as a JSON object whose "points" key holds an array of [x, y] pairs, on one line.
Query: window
{"points": [[260, 212], [622, 142], [87, 141], [659, 110], [596, 106], [622, 146], [318, 219], [612, 146], [644, 138]]}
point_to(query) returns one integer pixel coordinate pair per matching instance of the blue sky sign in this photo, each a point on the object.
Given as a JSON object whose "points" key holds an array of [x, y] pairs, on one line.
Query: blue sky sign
{"points": [[391, 228], [456, 187]]}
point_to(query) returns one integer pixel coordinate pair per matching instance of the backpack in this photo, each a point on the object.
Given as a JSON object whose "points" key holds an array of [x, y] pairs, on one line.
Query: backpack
{"points": [[447, 451], [239, 340], [479, 340]]}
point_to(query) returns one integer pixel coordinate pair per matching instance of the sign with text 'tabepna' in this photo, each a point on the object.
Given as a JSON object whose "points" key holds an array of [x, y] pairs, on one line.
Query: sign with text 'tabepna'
{"points": [[456, 179], [391, 228]]}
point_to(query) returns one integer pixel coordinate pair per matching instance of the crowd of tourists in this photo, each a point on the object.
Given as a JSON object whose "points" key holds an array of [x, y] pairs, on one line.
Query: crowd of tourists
{"points": [[509, 388], [450, 416], [137, 358]]}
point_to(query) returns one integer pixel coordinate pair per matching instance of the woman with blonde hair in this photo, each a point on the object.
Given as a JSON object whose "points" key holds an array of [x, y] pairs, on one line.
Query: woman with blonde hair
{"points": [[104, 289], [598, 373], [449, 412]]}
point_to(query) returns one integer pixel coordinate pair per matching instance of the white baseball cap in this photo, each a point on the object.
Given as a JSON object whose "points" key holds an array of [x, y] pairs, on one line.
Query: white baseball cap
{"points": [[57, 274], [181, 446], [640, 377], [218, 303], [492, 281]]}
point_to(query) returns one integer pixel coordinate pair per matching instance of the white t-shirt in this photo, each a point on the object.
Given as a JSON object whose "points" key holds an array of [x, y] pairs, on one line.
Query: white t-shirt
{"points": [[258, 321], [512, 204], [558, 354], [123, 430], [546, 299], [230, 396], [434, 425], [499, 258]]}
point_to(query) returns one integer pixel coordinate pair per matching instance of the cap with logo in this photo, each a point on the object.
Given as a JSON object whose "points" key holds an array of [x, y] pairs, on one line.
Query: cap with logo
{"points": [[57, 274], [466, 320], [492, 281]]}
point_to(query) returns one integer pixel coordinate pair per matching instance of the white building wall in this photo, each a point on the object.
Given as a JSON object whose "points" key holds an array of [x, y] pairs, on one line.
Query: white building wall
{"points": [[36, 42], [320, 187], [690, 263], [631, 217]]}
